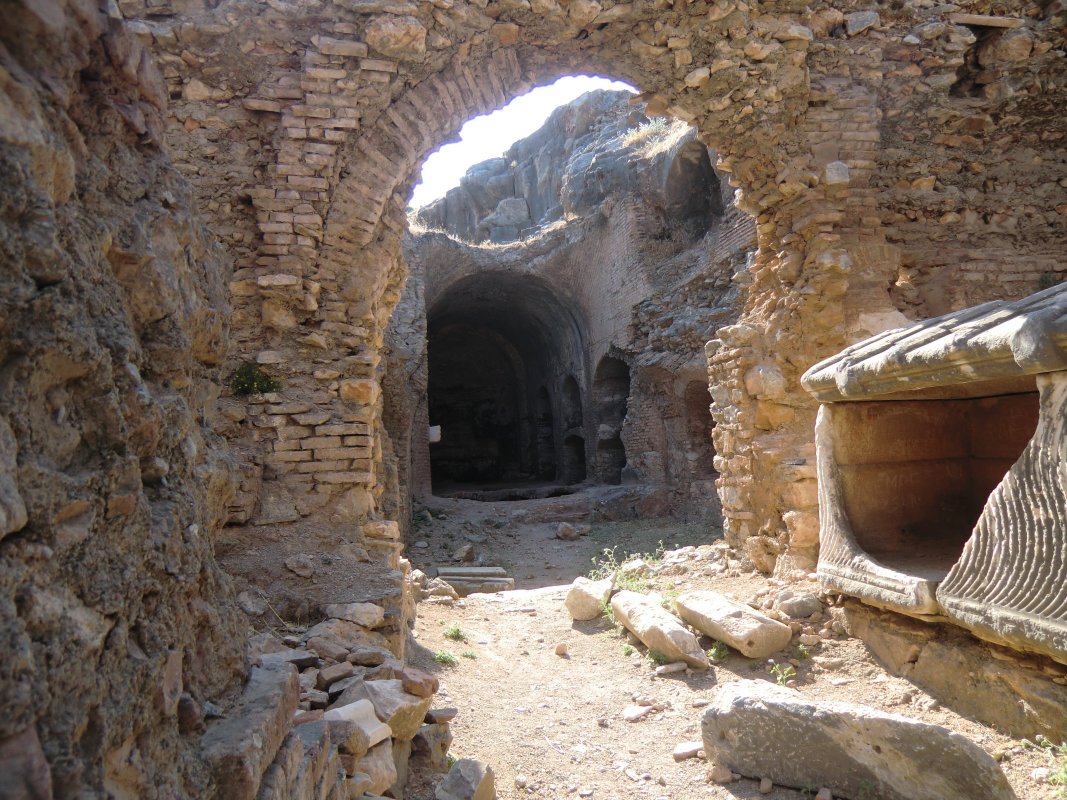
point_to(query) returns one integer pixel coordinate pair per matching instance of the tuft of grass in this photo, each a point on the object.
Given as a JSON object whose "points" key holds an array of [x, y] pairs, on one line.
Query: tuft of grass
{"points": [[610, 562], [656, 127], [1058, 776], [628, 650], [455, 633], [445, 658], [469, 654], [717, 652], [608, 612], [801, 652]]}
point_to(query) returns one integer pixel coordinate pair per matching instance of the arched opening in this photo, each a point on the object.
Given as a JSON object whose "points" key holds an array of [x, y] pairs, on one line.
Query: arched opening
{"points": [[495, 341], [573, 460], [700, 453], [611, 390]]}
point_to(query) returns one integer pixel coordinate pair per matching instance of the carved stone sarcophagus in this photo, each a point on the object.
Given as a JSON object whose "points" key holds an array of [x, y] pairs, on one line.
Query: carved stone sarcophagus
{"points": [[942, 463]]}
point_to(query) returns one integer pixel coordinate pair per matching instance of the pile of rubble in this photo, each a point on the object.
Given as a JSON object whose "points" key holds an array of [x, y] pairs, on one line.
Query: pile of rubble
{"points": [[333, 713]]}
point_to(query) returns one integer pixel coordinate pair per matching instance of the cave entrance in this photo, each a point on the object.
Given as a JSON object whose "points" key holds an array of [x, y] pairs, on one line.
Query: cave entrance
{"points": [[611, 391], [498, 344], [700, 453]]}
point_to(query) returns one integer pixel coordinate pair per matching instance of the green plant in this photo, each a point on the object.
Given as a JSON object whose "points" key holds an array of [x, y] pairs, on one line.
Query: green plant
{"points": [[802, 652], [249, 378], [658, 658], [782, 673], [608, 612], [610, 563], [450, 760], [718, 651], [455, 633], [469, 654], [627, 649], [669, 596], [445, 658], [1058, 775], [1048, 280]]}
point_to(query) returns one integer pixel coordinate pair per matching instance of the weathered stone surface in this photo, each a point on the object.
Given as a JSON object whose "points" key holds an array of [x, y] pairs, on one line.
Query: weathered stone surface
{"points": [[378, 764], [741, 627], [432, 743], [368, 615], [586, 599], [658, 629], [467, 780], [24, 772], [240, 747], [355, 727], [797, 604], [767, 731], [346, 634], [401, 711]]}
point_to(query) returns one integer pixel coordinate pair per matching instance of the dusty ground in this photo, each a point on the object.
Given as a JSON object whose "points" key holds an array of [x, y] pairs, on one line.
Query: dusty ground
{"points": [[551, 726]]}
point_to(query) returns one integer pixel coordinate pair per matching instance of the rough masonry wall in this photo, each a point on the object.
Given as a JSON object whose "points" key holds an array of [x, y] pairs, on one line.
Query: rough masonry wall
{"points": [[801, 101], [115, 622]]}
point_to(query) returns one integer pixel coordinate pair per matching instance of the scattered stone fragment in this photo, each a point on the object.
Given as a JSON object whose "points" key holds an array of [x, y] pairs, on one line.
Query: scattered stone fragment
{"points": [[634, 713], [797, 604], [401, 711], [467, 780], [586, 599], [720, 774], [369, 656], [767, 731], [824, 794], [737, 625], [332, 674], [766, 786], [567, 532], [301, 564], [327, 648], [465, 553], [672, 668], [687, 750], [561, 649], [658, 629]]}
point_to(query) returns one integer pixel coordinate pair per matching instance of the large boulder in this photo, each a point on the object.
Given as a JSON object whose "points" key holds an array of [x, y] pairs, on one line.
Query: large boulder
{"points": [[766, 731], [586, 598], [658, 629], [742, 628]]}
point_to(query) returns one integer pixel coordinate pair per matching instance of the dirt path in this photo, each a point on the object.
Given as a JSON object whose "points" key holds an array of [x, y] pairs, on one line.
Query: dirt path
{"points": [[551, 726]]}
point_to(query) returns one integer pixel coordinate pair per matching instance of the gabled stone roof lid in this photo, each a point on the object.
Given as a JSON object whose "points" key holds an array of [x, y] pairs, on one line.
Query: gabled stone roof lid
{"points": [[987, 342]]}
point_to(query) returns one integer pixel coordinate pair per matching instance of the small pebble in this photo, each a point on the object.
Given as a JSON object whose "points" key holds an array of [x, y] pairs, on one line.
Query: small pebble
{"points": [[720, 774], [562, 649], [824, 794], [766, 786]]}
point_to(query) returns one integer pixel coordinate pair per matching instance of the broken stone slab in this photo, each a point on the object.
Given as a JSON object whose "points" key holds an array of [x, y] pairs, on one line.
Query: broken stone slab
{"points": [[766, 731], [402, 711], [658, 629], [734, 624], [355, 728], [467, 586], [467, 780], [366, 614], [471, 572], [240, 747], [586, 598]]}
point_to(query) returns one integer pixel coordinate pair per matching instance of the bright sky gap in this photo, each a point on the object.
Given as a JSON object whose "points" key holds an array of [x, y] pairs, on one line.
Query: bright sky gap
{"points": [[491, 135]]}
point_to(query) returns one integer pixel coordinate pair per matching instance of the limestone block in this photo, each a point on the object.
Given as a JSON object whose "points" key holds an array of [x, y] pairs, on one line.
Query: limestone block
{"points": [[658, 629], [586, 598], [346, 634], [366, 614], [432, 743], [240, 747], [378, 765], [735, 624], [402, 711], [355, 728], [766, 731], [399, 37], [467, 780]]}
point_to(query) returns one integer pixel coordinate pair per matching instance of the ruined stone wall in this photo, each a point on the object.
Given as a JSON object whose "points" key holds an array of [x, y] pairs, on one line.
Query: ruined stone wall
{"points": [[116, 623], [808, 108]]}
